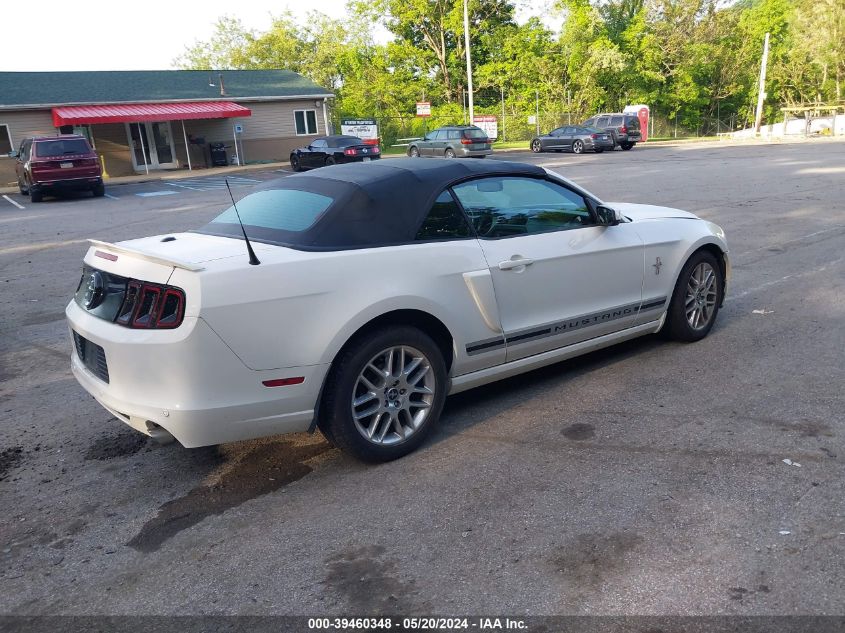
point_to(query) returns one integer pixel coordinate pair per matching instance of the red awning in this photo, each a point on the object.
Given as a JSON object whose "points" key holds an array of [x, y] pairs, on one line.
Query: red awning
{"points": [[139, 112]]}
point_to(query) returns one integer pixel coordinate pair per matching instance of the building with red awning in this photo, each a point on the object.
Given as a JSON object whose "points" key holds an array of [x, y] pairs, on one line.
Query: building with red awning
{"points": [[141, 121]]}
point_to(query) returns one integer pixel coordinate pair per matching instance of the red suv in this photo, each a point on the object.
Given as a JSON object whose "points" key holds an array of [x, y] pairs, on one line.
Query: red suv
{"points": [[50, 164]]}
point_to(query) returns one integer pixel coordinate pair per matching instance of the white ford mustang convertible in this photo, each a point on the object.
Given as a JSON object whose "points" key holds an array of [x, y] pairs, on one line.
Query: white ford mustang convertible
{"points": [[355, 298]]}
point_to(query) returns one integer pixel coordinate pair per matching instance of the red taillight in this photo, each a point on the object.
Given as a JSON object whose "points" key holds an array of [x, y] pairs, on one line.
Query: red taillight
{"points": [[151, 306], [349, 152], [375, 150], [467, 141], [623, 130], [594, 135]]}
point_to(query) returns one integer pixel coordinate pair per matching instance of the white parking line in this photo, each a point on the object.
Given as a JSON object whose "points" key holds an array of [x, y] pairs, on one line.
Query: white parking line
{"points": [[10, 201], [213, 183], [108, 195], [155, 193]]}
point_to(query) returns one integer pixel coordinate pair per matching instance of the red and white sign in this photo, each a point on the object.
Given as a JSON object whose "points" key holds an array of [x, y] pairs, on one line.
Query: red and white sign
{"points": [[642, 112], [489, 123], [423, 108]]}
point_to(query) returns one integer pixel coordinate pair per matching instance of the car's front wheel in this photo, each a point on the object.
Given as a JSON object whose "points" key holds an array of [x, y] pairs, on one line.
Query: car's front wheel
{"points": [[384, 394], [294, 163], [414, 152], [697, 297], [536, 146]]}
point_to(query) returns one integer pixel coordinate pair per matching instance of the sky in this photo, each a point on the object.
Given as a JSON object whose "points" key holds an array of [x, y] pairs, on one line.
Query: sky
{"points": [[149, 35]]}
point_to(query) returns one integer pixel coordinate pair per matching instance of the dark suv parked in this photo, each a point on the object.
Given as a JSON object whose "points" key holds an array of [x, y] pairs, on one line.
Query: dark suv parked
{"points": [[50, 164], [453, 141], [624, 128]]}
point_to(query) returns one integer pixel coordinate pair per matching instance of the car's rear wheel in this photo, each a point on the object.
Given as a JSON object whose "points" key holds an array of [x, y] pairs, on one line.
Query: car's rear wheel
{"points": [[598, 150], [99, 190], [384, 394], [35, 195], [330, 160], [626, 146], [294, 163], [536, 146], [449, 153], [414, 152], [697, 297], [577, 147]]}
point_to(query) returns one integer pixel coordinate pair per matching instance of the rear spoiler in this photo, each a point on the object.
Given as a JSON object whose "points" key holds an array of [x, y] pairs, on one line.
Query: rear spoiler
{"points": [[167, 261]]}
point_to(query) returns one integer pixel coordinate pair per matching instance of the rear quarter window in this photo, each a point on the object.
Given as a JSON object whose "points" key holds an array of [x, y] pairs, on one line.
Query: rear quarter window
{"points": [[281, 209]]}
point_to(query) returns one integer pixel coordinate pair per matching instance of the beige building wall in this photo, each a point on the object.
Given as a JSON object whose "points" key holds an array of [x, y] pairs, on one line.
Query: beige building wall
{"points": [[269, 135], [22, 124]]}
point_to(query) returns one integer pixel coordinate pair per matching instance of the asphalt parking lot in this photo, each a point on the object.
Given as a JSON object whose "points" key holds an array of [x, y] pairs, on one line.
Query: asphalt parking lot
{"points": [[643, 479]]}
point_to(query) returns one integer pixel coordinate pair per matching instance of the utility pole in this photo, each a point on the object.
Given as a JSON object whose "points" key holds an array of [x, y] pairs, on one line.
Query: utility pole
{"points": [[537, 110], [503, 113], [469, 62], [761, 91]]}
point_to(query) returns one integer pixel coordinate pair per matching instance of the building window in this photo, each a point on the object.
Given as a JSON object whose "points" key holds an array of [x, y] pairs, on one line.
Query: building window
{"points": [[5, 140], [306, 122]]}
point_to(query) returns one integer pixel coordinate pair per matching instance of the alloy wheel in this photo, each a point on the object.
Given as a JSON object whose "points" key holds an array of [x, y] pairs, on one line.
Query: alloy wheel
{"points": [[393, 395], [577, 147], [701, 296], [536, 146]]}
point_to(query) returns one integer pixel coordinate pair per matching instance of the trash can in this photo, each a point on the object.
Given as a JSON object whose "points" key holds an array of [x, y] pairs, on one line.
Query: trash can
{"points": [[218, 154]]}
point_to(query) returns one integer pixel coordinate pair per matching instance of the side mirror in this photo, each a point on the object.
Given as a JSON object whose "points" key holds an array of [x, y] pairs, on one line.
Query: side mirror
{"points": [[14, 154], [608, 216]]}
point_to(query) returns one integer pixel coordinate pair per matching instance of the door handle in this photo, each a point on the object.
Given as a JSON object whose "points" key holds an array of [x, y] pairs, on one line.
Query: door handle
{"points": [[510, 264]]}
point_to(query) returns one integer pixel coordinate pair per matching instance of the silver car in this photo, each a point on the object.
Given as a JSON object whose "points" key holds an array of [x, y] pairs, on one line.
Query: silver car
{"points": [[453, 141]]}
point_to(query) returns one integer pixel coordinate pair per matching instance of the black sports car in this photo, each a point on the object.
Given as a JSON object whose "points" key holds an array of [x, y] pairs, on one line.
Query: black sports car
{"points": [[332, 150], [573, 138]]}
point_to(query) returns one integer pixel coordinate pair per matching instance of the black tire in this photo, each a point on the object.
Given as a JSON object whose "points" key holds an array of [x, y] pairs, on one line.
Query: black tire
{"points": [[598, 150], [99, 190], [536, 146], [330, 161], [678, 326], [449, 153], [627, 146], [578, 147], [35, 195], [413, 151], [294, 163], [24, 191], [336, 421]]}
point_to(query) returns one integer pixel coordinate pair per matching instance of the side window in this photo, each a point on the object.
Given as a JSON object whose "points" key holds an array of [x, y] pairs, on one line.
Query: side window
{"points": [[439, 135], [305, 122], [556, 132], [445, 221], [454, 135], [5, 140], [319, 144], [506, 206], [616, 121], [589, 123], [571, 130], [603, 122]]}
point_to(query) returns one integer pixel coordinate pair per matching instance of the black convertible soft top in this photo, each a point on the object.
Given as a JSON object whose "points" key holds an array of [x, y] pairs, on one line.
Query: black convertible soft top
{"points": [[374, 204]]}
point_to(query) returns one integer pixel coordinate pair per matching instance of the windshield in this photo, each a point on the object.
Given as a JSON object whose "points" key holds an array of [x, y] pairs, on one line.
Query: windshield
{"points": [[276, 210], [60, 147]]}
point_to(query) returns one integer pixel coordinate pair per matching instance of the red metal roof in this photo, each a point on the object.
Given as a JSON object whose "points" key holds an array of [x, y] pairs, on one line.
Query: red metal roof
{"points": [[139, 112]]}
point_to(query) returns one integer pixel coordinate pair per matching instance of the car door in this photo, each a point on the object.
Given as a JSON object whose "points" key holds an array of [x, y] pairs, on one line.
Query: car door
{"points": [[553, 139], [568, 137], [426, 142], [559, 277], [317, 153]]}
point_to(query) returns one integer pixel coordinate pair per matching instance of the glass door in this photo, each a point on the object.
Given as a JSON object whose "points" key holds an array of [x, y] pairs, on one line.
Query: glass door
{"points": [[152, 145]]}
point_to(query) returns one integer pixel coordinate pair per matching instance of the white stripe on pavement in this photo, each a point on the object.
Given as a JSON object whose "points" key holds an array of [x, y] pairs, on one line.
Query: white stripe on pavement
{"points": [[9, 200], [155, 193], [108, 195]]}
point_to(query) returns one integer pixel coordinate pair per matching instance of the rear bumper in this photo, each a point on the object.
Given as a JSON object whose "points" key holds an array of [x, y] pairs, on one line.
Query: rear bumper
{"points": [[598, 144], [190, 383], [84, 182], [474, 152]]}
